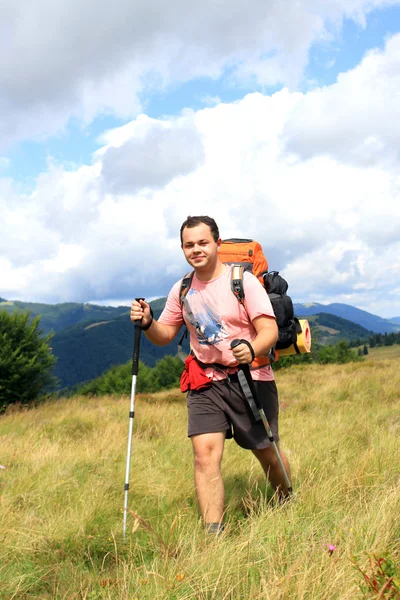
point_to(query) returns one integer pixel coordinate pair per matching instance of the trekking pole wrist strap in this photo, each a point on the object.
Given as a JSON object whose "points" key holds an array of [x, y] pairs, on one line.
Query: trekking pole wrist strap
{"points": [[149, 324], [250, 347]]}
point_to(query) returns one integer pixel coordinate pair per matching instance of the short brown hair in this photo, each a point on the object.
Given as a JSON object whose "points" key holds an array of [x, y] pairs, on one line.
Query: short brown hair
{"points": [[194, 221]]}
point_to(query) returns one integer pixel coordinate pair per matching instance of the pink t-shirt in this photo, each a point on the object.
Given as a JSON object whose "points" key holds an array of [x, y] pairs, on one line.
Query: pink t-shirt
{"points": [[221, 318]]}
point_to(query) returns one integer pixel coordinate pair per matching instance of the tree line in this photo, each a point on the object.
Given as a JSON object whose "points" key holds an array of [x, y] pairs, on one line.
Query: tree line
{"points": [[377, 340]]}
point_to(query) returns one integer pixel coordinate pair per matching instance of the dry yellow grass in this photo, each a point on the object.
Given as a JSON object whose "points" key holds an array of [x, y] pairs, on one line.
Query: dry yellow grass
{"points": [[62, 495]]}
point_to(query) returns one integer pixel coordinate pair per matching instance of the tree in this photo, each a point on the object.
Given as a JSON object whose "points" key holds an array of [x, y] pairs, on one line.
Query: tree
{"points": [[340, 353], [25, 359], [168, 371], [365, 350]]}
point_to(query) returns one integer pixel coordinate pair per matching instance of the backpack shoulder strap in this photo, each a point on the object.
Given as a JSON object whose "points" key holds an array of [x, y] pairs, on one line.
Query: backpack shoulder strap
{"points": [[237, 283], [186, 284]]}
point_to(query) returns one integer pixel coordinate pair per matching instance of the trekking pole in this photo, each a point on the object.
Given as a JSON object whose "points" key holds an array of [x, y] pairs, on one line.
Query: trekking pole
{"points": [[249, 390], [135, 370]]}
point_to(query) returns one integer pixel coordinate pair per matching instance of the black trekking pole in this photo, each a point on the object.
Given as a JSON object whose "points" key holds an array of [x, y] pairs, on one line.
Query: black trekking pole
{"points": [[249, 390], [135, 370]]}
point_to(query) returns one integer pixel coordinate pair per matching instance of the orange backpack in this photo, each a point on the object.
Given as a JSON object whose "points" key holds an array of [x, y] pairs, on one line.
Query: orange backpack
{"points": [[245, 253]]}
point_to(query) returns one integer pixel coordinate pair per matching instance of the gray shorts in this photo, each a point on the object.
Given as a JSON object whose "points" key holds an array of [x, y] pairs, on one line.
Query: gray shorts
{"points": [[223, 407]]}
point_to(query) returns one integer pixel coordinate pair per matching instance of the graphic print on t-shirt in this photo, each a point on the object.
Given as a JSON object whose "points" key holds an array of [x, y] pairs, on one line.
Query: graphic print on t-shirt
{"points": [[213, 328]]}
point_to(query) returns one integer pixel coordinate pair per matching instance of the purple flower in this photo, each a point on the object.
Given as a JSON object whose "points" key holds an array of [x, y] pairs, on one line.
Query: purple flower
{"points": [[331, 548]]}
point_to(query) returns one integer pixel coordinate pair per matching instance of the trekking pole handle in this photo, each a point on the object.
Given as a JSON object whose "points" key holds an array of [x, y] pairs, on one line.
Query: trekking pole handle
{"points": [[136, 344], [237, 342]]}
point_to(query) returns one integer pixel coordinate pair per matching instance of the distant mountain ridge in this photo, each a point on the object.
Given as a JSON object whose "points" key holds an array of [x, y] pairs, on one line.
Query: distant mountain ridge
{"points": [[56, 317], [350, 313], [330, 329]]}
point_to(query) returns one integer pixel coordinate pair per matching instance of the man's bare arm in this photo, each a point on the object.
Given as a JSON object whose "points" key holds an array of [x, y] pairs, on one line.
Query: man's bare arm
{"points": [[267, 335]]}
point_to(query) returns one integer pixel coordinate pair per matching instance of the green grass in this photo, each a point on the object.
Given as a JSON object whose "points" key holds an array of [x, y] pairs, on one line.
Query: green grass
{"points": [[62, 496], [384, 352]]}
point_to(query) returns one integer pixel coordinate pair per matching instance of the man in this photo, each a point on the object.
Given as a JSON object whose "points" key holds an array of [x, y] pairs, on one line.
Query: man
{"points": [[217, 318]]}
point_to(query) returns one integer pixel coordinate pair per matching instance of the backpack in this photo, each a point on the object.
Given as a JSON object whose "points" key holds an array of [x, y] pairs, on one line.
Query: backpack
{"points": [[247, 255]]}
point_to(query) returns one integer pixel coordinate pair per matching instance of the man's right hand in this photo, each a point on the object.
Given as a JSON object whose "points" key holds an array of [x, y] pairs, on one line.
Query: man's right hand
{"points": [[140, 311]]}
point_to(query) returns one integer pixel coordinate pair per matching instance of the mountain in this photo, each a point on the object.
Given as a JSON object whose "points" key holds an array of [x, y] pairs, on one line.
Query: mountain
{"points": [[87, 350], [330, 329], [55, 317], [350, 313]]}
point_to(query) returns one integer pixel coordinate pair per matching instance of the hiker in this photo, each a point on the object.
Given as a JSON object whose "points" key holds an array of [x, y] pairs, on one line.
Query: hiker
{"points": [[218, 406]]}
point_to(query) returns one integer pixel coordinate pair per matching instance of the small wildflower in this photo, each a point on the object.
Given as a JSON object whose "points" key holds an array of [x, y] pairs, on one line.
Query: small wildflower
{"points": [[2, 467], [180, 576], [331, 548]]}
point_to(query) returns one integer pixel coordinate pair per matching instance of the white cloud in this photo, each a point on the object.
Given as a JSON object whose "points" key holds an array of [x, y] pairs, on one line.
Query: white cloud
{"points": [[356, 120], [74, 59], [158, 152], [329, 223]]}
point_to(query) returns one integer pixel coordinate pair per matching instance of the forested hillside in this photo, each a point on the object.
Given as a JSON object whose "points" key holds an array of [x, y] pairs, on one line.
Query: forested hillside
{"points": [[86, 351], [56, 317], [329, 329]]}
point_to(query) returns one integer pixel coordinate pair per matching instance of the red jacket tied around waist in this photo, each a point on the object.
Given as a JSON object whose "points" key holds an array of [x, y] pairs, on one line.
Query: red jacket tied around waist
{"points": [[193, 377]]}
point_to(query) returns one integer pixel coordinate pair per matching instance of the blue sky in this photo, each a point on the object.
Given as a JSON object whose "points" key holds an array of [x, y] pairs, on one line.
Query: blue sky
{"points": [[79, 101]]}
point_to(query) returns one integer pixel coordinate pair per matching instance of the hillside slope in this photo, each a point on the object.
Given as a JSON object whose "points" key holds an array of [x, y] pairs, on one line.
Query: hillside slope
{"points": [[330, 329], [85, 351]]}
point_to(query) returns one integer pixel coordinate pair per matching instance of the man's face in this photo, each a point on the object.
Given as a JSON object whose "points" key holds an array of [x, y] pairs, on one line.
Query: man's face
{"points": [[199, 247]]}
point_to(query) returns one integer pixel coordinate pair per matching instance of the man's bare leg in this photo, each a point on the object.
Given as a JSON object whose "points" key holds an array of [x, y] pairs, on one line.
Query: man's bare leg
{"points": [[208, 449], [272, 468]]}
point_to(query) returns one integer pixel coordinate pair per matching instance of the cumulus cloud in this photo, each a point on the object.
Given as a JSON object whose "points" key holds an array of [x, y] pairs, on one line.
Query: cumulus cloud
{"points": [[74, 59], [329, 223], [356, 120], [158, 152]]}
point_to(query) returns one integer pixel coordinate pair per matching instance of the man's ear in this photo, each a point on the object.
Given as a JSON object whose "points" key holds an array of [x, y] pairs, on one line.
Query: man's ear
{"points": [[219, 242]]}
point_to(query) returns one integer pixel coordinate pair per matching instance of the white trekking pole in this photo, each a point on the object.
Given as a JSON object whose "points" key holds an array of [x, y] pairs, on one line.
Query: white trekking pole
{"points": [[135, 369]]}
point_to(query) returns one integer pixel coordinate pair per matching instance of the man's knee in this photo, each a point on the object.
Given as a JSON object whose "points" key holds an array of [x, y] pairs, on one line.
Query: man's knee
{"points": [[267, 457], [207, 449]]}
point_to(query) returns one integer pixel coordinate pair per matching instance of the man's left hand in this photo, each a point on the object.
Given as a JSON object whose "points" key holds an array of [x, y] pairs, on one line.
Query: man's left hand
{"points": [[242, 354]]}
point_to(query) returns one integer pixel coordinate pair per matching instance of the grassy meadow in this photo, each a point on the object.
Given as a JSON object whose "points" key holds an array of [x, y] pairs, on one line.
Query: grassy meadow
{"points": [[61, 497]]}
